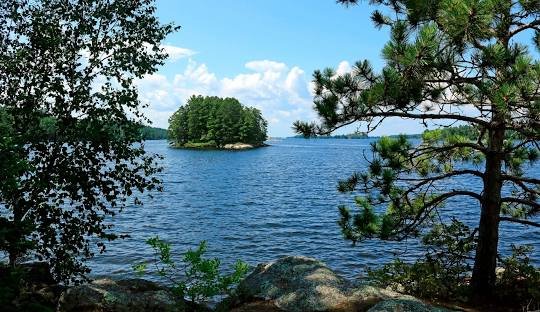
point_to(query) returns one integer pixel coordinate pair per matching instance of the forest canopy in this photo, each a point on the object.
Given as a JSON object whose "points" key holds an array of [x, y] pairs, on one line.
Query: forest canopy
{"points": [[209, 121]]}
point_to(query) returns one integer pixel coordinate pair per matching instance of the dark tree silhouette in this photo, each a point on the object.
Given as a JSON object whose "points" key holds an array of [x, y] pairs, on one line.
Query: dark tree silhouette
{"points": [[69, 122]]}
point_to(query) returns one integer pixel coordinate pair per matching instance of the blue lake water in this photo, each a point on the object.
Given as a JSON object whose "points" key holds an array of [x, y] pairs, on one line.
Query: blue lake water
{"points": [[262, 204]]}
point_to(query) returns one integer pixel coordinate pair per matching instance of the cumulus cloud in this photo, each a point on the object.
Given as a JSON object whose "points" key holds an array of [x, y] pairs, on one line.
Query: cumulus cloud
{"points": [[283, 93], [280, 92], [266, 66], [343, 68], [176, 53]]}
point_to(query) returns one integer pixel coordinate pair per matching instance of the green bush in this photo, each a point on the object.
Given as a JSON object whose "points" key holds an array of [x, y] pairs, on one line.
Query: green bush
{"points": [[197, 279], [519, 281], [17, 292], [441, 273], [444, 271], [10, 284]]}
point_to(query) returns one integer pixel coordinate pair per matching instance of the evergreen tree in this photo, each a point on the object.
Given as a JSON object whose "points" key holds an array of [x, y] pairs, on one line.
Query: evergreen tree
{"points": [[464, 61], [69, 123], [178, 126], [216, 121]]}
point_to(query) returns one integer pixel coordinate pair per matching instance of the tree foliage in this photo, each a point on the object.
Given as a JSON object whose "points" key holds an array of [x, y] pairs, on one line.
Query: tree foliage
{"points": [[447, 62], [69, 122], [441, 273], [198, 278], [215, 122]]}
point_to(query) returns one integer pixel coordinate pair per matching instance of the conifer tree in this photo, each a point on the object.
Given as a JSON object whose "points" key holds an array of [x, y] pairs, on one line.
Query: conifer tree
{"points": [[210, 119], [465, 62]]}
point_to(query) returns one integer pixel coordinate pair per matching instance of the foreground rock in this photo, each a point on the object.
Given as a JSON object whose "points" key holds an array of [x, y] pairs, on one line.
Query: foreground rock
{"points": [[104, 295], [298, 284]]}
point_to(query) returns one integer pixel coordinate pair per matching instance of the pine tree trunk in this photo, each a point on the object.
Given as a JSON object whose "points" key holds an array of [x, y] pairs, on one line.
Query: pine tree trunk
{"points": [[484, 278]]}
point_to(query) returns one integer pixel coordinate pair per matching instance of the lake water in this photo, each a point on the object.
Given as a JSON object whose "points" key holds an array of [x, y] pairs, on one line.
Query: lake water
{"points": [[266, 203]]}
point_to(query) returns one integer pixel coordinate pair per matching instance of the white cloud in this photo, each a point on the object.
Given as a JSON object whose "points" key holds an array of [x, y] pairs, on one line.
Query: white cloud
{"points": [[266, 66], [176, 53], [282, 94], [343, 68], [196, 75], [156, 91]]}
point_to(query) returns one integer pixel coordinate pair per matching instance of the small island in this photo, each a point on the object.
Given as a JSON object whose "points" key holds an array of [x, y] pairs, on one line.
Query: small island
{"points": [[210, 122]]}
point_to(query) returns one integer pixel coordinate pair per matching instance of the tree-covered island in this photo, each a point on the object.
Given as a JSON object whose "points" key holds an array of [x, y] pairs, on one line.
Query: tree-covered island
{"points": [[213, 122]]}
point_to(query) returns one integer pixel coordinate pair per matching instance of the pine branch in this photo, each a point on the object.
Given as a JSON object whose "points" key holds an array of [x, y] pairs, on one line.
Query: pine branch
{"points": [[447, 148], [521, 221], [525, 188], [522, 27], [335, 127], [422, 215], [444, 176], [530, 203], [520, 179]]}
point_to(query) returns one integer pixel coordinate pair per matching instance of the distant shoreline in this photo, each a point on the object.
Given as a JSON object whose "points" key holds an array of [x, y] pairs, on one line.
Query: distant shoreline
{"points": [[345, 137]]}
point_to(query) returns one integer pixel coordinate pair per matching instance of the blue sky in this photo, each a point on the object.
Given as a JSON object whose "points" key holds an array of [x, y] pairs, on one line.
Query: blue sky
{"points": [[262, 52], [307, 33]]}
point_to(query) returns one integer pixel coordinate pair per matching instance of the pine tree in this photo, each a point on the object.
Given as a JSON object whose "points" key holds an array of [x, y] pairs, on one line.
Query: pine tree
{"points": [[449, 61]]}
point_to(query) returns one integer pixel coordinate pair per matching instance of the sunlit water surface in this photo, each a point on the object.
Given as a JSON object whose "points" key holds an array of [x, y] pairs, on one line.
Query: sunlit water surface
{"points": [[263, 204]]}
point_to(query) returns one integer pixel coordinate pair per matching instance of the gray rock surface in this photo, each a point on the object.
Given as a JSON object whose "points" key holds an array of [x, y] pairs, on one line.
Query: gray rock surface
{"points": [[106, 295], [238, 146], [303, 284]]}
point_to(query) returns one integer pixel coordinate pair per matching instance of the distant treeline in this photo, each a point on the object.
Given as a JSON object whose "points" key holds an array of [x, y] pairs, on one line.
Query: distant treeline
{"points": [[209, 121], [355, 135], [86, 129], [153, 133], [464, 131]]}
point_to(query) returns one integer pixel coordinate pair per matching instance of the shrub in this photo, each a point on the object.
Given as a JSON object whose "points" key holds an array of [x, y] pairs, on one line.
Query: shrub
{"points": [[200, 145], [10, 284], [197, 279], [444, 272], [519, 281], [441, 273]]}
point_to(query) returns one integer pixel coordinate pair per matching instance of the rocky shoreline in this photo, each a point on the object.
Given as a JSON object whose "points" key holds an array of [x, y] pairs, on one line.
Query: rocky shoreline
{"points": [[293, 284], [230, 147]]}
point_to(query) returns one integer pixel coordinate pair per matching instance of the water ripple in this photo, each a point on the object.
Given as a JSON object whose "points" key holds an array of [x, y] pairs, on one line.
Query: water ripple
{"points": [[262, 204]]}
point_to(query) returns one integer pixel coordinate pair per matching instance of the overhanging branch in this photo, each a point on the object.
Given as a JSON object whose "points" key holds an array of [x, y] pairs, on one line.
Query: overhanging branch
{"points": [[530, 203], [521, 221], [520, 179]]}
